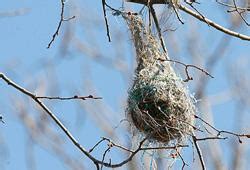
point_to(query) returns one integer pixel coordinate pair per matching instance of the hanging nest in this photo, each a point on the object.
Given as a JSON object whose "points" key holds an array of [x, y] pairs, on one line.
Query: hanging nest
{"points": [[159, 105]]}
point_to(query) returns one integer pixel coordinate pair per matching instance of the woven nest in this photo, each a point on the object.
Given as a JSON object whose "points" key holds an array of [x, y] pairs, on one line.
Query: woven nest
{"points": [[159, 105]]}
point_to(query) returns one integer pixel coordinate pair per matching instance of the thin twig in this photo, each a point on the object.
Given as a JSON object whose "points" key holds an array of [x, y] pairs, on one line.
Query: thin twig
{"points": [[50, 113], [199, 17], [182, 159], [164, 147], [210, 138], [186, 68], [60, 23], [240, 13], [176, 12], [76, 97], [199, 152], [116, 145], [157, 25], [219, 132], [96, 145], [232, 6], [97, 162], [213, 24], [192, 6], [104, 154], [106, 19]]}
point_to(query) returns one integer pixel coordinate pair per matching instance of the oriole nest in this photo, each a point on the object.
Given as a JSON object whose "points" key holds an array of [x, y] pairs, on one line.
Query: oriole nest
{"points": [[159, 104]]}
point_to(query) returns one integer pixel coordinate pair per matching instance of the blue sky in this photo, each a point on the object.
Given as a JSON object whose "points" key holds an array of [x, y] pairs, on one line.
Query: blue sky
{"points": [[24, 58]]}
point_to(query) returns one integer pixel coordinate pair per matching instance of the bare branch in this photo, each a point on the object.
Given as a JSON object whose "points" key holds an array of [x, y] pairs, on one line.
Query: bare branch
{"points": [[60, 23], [100, 141], [186, 68], [219, 132], [71, 137], [199, 152], [240, 13], [152, 11], [105, 18], [76, 97], [210, 138], [213, 24], [51, 114], [182, 159], [197, 16]]}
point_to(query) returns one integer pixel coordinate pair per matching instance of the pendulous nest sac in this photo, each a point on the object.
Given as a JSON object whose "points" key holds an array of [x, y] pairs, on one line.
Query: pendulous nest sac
{"points": [[158, 105]]}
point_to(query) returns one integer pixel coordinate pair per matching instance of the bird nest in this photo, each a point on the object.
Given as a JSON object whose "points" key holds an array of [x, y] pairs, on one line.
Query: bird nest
{"points": [[159, 104]]}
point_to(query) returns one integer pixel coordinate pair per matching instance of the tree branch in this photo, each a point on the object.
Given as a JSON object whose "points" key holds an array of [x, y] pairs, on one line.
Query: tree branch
{"points": [[76, 97], [97, 162], [60, 23], [199, 152], [197, 16], [213, 24]]}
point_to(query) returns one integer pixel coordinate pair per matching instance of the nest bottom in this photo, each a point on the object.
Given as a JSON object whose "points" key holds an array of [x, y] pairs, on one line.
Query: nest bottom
{"points": [[158, 116]]}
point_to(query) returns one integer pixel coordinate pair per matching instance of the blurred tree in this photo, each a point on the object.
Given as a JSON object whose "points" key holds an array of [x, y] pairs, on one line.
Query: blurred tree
{"points": [[73, 94]]}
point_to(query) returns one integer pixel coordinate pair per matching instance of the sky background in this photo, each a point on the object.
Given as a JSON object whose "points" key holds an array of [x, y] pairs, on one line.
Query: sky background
{"points": [[102, 69]]}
